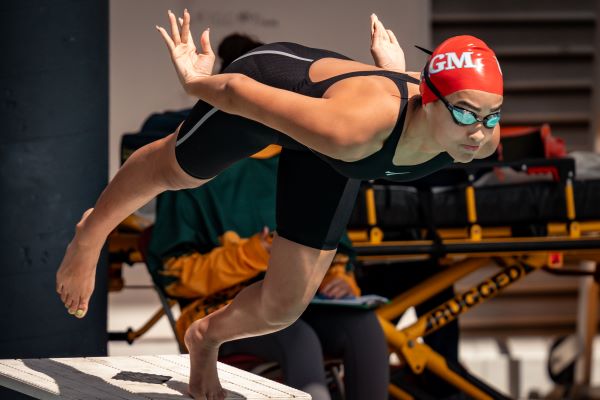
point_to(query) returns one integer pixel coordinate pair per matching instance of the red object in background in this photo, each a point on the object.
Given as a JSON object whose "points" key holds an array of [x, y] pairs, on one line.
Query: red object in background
{"points": [[544, 170], [523, 142], [555, 260]]}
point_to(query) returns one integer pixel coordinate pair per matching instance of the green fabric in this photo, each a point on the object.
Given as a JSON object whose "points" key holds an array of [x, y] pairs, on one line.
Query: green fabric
{"points": [[241, 198]]}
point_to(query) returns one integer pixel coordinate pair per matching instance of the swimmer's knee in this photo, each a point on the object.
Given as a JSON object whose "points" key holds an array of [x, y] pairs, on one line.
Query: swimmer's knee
{"points": [[282, 309]]}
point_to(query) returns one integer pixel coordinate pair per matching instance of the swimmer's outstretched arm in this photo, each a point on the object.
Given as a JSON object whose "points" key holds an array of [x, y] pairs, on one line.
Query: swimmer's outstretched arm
{"points": [[342, 126], [149, 171]]}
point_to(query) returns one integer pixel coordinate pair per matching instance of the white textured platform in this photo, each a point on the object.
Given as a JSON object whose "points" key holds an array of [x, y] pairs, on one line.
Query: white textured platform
{"points": [[138, 377]]}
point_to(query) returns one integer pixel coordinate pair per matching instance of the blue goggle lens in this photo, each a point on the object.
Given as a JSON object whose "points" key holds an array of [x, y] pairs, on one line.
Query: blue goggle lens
{"points": [[463, 116], [466, 117], [492, 120]]}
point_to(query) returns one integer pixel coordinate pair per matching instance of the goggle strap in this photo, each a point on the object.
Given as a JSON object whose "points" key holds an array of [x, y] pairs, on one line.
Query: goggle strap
{"points": [[424, 50], [430, 84]]}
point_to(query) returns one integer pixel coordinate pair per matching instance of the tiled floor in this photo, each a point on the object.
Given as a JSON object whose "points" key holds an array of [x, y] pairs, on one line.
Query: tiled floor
{"points": [[483, 356]]}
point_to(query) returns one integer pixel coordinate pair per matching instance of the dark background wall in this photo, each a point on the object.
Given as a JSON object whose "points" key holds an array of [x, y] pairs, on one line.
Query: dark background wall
{"points": [[548, 53], [53, 165]]}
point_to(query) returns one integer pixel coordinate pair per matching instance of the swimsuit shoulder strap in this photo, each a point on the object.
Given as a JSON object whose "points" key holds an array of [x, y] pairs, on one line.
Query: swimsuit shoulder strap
{"points": [[399, 79]]}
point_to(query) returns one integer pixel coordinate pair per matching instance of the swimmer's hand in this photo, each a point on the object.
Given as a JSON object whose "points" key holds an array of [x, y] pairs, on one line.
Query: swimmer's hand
{"points": [[190, 64], [385, 49]]}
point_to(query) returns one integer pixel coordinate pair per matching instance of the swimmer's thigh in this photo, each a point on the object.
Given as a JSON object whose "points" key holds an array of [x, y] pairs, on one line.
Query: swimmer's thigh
{"points": [[210, 140], [314, 202]]}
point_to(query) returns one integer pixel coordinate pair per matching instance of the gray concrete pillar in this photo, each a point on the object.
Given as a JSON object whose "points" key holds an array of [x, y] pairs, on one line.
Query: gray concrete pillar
{"points": [[53, 165]]}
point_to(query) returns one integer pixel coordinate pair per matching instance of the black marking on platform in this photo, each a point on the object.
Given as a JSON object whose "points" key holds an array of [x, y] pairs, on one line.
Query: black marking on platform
{"points": [[141, 377]]}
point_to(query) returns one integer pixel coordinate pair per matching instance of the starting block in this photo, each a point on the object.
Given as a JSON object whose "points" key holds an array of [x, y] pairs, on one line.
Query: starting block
{"points": [[132, 378]]}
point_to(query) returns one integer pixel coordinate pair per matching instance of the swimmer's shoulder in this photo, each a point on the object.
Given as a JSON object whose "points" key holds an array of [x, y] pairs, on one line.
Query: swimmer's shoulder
{"points": [[329, 67], [374, 107]]}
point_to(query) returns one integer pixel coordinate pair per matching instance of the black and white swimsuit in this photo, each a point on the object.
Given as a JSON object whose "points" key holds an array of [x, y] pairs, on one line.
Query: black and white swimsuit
{"points": [[315, 193]]}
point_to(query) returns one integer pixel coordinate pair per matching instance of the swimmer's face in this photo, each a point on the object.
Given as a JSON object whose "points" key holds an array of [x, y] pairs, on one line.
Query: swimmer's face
{"points": [[464, 142]]}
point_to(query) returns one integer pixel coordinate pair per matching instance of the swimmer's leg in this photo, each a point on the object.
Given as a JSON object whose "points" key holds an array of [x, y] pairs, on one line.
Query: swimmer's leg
{"points": [[149, 171], [294, 275], [314, 204], [205, 144]]}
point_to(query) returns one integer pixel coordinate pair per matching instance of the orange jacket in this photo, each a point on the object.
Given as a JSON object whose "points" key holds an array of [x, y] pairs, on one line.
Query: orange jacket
{"points": [[235, 261], [215, 278]]}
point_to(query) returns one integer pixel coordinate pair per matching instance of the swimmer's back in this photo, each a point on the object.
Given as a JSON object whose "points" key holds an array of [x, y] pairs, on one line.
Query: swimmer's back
{"points": [[377, 95], [296, 67]]}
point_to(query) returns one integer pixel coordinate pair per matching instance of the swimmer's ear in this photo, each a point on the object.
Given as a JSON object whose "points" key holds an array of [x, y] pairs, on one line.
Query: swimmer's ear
{"points": [[205, 42]]}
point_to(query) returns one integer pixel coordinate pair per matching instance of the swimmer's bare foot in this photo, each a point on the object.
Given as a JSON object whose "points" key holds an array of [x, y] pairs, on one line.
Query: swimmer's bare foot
{"points": [[75, 278], [204, 380]]}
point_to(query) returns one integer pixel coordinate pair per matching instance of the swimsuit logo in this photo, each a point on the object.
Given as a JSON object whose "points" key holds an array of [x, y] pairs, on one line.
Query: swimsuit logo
{"points": [[448, 61], [388, 173]]}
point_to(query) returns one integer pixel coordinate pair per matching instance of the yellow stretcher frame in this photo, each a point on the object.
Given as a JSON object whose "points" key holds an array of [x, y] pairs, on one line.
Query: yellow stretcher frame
{"points": [[468, 249], [420, 356]]}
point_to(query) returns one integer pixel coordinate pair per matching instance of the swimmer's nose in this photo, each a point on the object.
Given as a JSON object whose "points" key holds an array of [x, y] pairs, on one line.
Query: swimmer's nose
{"points": [[477, 136]]}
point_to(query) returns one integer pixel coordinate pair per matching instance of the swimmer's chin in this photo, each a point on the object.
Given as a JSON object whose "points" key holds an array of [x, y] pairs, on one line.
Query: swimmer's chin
{"points": [[465, 159]]}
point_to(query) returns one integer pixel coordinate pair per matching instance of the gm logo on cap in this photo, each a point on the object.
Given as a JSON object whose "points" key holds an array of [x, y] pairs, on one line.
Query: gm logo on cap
{"points": [[450, 61]]}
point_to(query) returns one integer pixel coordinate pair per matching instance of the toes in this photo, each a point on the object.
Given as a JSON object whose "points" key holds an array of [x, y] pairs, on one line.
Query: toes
{"points": [[76, 305], [217, 394], [81, 308], [70, 305]]}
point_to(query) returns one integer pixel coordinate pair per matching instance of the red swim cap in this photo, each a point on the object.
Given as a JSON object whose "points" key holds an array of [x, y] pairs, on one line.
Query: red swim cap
{"points": [[460, 63]]}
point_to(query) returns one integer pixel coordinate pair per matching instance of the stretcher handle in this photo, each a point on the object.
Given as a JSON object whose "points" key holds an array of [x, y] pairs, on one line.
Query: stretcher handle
{"points": [[562, 169]]}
